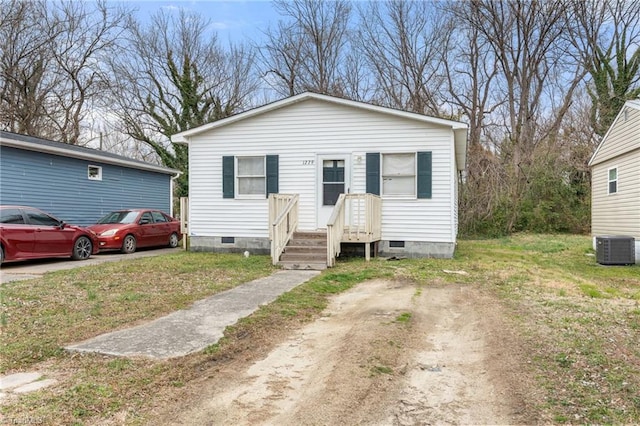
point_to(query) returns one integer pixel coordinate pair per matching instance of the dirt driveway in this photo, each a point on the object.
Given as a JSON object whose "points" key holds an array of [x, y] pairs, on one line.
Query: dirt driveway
{"points": [[384, 353]]}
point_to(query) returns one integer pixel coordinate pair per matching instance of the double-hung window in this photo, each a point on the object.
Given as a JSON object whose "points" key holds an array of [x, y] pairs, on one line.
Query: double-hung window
{"points": [[613, 180], [399, 174], [251, 176]]}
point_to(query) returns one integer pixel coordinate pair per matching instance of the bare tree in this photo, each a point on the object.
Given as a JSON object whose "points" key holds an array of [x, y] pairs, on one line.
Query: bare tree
{"points": [[536, 80], [308, 50], [25, 56], [401, 42], [177, 76], [90, 37], [281, 58], [471, 70], [606, 34], [472, 75], [52, 66], [357, 83]]}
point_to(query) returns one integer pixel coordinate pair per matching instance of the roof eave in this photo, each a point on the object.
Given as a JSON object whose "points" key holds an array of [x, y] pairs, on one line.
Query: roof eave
{"points": [[184, 137], [632, 104], [460, 139], [29, 146]]}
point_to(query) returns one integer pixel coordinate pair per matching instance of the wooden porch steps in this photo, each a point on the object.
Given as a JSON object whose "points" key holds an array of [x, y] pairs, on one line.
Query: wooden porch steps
{"points": [[305, 250]]}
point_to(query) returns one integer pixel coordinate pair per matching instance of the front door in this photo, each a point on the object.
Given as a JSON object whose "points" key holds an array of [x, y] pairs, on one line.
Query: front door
{"points": [[333, 180]]}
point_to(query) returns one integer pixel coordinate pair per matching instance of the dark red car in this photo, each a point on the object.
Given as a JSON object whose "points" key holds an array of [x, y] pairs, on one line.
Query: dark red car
{"points": [[126, 230], [29, 233]]}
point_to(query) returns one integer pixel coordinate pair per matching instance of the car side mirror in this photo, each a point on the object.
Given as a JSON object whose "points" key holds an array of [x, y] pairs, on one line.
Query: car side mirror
{"points": [[144, 221], [61, 225]]}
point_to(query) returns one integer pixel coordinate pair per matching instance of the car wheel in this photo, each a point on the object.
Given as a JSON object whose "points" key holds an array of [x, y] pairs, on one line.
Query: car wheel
{"points": [[173, 240], [1, 255], [82, 248], [129, 244]]}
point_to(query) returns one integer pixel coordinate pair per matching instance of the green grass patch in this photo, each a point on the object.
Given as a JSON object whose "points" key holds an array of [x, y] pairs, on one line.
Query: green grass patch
{"points": [[404, 318], [592, 291], [42, 315], [381, 369], [579, 323]]}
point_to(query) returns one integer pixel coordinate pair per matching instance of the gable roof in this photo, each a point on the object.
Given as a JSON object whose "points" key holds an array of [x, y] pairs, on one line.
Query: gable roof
{"points": [[634, 104], [459, 129], [31, 143]]}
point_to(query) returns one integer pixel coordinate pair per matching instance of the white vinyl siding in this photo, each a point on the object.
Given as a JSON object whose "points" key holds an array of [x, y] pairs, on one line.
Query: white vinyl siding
{"points": [[301, 132]]}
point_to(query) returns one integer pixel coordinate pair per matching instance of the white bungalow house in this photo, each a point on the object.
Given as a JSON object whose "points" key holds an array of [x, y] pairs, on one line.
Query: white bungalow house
{"points": [[319, 171], [615, 179]]}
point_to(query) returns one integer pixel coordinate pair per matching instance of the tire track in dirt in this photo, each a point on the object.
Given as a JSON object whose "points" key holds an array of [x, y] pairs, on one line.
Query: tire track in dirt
{"points": [[449, 382], [359, 364]]}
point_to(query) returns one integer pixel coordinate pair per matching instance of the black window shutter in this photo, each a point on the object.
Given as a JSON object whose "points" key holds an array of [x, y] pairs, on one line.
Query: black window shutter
{"points": [[373, 173], [228, 177], [424, 174], [272, 174]]}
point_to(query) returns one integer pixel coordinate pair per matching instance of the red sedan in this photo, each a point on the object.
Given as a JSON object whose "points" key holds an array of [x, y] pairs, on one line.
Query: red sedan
{"points": [[126, 230], [29, 233]]}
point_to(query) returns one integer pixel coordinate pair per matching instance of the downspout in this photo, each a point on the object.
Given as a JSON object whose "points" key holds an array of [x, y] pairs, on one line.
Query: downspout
{"points": [[453, 190]]}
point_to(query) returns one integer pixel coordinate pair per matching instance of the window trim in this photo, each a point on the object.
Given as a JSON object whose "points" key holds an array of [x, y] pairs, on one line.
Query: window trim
{"points": [[92, 177], [415, 176], [237, 178], [610, 181]]}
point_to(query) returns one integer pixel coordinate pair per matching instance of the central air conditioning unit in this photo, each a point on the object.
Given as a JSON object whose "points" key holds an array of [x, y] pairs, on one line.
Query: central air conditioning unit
{"points": [[615, 250]]}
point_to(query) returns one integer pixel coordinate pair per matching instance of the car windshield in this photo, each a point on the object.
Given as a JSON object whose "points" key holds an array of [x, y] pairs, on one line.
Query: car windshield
{"points": [[119, 217]]}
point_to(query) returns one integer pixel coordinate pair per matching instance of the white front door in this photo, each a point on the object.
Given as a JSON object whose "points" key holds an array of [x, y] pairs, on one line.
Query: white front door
{"points": [[333, 179]]}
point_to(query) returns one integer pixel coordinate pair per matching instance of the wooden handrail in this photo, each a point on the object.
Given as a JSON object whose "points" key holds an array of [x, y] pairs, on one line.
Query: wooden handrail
{"points": [[364, 218], [335, 229], [356, 218], [283, 222]]}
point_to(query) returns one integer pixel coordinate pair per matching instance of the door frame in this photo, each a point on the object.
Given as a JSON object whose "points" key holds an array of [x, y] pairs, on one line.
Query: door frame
{"points": [[321, 215]]}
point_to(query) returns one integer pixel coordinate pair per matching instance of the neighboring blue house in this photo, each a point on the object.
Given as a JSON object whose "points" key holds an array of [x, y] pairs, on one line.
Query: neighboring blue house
{"points": [[78, 184]]}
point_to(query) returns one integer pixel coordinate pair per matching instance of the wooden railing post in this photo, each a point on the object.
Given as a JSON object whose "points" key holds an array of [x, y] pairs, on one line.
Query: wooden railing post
{"points": [[362, 223], [283, 222], [335, 230]]}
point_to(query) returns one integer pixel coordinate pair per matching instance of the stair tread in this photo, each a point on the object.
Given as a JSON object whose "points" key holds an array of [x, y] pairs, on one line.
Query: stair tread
{"points": [[313, 235], [303, 257], [305, 250], [317, 266]]}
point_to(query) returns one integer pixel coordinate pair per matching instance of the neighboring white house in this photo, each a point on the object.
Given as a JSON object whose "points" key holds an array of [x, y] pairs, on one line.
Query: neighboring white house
{"points": [[318, 147], [615, 178]]}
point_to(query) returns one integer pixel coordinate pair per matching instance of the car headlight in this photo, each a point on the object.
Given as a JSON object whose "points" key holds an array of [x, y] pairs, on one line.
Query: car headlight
{"points": [[109, 233]]}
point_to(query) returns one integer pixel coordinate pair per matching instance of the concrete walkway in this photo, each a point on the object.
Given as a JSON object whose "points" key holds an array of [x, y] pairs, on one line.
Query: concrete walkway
{"points": [[191, 330], [19, 383]]}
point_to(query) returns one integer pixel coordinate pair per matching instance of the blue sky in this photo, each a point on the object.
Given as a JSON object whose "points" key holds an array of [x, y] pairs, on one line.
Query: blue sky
{"points": [[232, 20]]}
